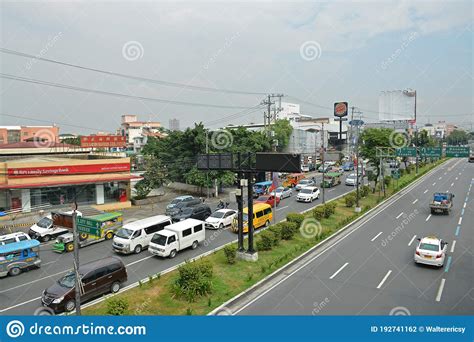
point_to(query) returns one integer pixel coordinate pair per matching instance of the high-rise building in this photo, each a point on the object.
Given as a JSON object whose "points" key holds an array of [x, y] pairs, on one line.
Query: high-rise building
{"points": [[174, 125]]}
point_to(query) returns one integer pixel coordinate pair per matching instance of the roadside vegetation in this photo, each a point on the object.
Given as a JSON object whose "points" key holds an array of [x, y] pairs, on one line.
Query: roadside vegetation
{"points": [[196, 288]]}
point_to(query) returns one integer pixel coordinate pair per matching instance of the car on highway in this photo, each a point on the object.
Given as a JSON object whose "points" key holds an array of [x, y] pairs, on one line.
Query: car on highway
{"points": [[262, 216], [442, 203], [348, 166], [431, 251], [304, 183], [308, 194], [179, 199], [181, 205], [19, 256], [220, 218], [351, 179], [13, 237], [268, 199], [304, 168], [471, 158], [198, 212], [97, 277], [283, 192], [52, 225]]}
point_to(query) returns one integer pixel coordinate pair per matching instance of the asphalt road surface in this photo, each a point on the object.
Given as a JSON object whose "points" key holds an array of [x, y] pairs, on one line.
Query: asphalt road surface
{"points": [[371, 271], [22, 294]]}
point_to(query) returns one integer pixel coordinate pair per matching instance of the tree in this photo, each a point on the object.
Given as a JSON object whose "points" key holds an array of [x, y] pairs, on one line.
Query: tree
{"points": [[282, 129], [72, 141], [153, 178], [458, 138]]}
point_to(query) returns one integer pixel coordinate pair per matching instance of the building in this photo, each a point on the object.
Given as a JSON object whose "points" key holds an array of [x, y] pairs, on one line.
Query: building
{"points": [[15, 134], [34, 148], [132, 128], [174, 124], [33, 182]]}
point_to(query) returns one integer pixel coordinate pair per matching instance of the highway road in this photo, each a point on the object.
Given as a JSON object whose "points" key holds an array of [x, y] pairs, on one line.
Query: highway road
{"points": [[21, 294], [371, 271]]}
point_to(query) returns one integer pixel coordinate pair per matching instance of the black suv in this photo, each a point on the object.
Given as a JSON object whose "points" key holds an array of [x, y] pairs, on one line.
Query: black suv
{"points": [[198, 212], [180, 206]]}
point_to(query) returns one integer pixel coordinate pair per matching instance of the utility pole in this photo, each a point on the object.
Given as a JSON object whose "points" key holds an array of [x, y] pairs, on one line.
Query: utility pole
{"points": [[77, 283], [207, 172], [322, 159], [240, 207]]}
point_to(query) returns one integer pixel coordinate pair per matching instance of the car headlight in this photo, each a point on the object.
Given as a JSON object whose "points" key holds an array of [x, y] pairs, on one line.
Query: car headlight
{"points": [[58, 300]]}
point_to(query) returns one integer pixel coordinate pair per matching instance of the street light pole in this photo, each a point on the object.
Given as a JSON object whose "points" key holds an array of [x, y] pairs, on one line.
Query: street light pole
{"points": [[207, 172], [77, 289], [322, 159]]}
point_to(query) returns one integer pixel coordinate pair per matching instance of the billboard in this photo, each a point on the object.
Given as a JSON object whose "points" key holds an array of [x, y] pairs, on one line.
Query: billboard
{"points": [[397, 105], [340, 109], [47, 171], [103, 141]]}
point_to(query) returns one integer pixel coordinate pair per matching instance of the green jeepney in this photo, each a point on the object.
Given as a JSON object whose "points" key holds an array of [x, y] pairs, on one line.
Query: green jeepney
{"points": [[331, 179], [109, 223]]}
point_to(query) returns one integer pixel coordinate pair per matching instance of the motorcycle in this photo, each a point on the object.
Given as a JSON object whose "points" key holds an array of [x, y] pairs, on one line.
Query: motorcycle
{"points": [[222, 205]]}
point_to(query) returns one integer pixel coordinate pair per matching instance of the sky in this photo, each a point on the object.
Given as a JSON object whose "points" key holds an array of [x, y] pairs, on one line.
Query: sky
{"points": [[314, 53]]}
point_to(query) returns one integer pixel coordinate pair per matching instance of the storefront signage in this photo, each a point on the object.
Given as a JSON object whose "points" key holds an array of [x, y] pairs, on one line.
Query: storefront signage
{"points": [[103, 141], [67, 170]]}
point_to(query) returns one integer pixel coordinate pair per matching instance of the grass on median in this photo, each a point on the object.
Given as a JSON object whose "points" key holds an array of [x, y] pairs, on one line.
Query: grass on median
{"points": [[157, 297]]}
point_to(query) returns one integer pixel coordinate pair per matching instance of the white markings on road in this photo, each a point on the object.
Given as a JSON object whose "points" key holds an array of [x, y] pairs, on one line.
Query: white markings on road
{"points": [[434, 183], [425, 191], [376, 236], [460, 220], [440, 178], [139, 260], [20, 304], [339, 270], [399, 215], [384, 278], [456, 178], [440, 290], [464, 206], [452, 246], [414, 201], [412, 239], [282, 208], [452, 184], [428, 217]]}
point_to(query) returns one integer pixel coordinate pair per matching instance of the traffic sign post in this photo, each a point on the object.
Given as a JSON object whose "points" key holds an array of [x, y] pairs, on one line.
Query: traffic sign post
{"points": [[457, 151], [88, 226], [431, 152], [406, 152], [396, 174]]}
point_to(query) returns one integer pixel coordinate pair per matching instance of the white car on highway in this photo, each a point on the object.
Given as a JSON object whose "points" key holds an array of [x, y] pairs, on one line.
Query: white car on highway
{"points": [[282, 192], [308, 194], [220, 218], [431, 251], [304, 183]]}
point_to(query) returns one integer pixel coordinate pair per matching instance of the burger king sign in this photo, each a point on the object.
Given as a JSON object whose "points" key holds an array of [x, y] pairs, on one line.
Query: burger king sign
{"points": [[340, 109]]}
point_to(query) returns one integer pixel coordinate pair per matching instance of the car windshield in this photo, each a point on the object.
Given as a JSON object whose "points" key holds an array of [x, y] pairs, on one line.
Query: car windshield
{"points": [[124, 233], [159, 239], [187, 211], [68, 280], [306, 191], [279, 190], [176, 201], [351, 177], [262, 198], [304, 181], [245, 217], [45, 222], [429, 247], [217, 214]]}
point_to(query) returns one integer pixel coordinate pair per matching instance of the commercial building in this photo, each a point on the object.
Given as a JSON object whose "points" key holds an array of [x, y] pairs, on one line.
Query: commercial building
{"points": [[15, 134], [174, 124], [131, 128], [46, 181]]}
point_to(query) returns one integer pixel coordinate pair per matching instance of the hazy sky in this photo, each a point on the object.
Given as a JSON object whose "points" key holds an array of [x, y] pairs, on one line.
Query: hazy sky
{"points": [[320, 52]]}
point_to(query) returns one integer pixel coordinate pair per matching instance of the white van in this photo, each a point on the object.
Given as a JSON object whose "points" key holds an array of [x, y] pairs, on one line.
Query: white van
{"points": [[13, 237], [177, 236], [135, 236]]}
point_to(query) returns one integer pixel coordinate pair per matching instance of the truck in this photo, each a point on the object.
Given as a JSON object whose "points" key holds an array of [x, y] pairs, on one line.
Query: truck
{"points": [[52, 225], [176, 237], [109, 223], [442, 203]]}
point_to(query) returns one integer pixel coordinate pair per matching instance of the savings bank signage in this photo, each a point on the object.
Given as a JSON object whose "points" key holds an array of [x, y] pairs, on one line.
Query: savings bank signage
{"points": [[67, 170]]}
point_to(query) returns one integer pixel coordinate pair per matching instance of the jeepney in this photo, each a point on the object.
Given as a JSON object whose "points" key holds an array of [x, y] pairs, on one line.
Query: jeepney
{"points": [[331, 179], [293, 179], [19, 256], [109, 223]]}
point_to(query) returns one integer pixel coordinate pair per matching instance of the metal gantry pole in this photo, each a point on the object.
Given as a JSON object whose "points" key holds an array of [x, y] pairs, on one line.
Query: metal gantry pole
{"points": [[322, 159], [250, 211], [76, 262], [240, 207], [207, 172], [357, 209]]}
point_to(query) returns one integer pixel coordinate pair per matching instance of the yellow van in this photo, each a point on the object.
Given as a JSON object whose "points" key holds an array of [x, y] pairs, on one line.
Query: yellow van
{"points": [[262, 216]]}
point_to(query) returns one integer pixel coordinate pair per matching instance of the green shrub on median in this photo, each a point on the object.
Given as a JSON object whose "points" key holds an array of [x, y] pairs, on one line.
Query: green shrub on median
{"points": [[117, 306], [288, 230], [350, 199], [266, 241], [295, 217], [230, 252], [194, 280]]}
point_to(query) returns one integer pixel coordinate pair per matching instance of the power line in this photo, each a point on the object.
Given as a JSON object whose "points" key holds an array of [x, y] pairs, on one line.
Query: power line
{"points": [[132, 77], [102, 92]]}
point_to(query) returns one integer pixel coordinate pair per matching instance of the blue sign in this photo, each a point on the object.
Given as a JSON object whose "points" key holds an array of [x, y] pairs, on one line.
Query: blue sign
{"points": [[356, 122]]}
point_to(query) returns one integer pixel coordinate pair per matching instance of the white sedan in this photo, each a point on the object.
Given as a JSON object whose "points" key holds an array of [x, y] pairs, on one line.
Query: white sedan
{"points": [[283, 192], [431, 251], [308, 194], [220, 219]]}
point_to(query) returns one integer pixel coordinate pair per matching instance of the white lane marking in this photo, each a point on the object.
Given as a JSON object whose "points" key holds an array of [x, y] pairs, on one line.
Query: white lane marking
{"points": [[425, 191], [20, 304], [452, 184], [464, 206], [440, 178], [452, 246], [434, 183], [428, 217], [139, 260], [460, 220], [384, 278], [339, 270], [282, 208], [399, 215], [412, 239], [456, 178], [445, 173], [440, 290], [414, 201], [34, 281], [376, 236]]}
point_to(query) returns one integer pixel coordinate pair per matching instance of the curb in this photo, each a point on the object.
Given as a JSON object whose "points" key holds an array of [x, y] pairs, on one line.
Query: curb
{"points": [[224, 306]]}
